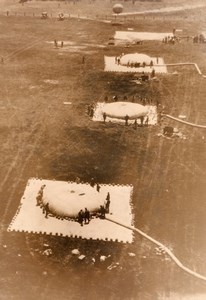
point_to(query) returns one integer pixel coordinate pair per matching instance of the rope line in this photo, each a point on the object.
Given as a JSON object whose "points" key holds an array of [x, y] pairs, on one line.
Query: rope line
{"points": [[184, 122], [167, 250]]}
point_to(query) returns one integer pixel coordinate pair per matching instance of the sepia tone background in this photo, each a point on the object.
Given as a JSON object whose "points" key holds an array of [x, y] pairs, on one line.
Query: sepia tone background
{"points": [[41, 137]]}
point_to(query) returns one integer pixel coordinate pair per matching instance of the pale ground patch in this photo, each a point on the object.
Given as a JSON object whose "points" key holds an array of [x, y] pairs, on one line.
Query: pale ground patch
{"points": [[98, 115], [30, 218], [144, 36], [51, 81], [112, 66]]}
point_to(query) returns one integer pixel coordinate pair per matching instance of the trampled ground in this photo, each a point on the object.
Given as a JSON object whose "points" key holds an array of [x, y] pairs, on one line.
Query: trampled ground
{"points": [[42, 137]]}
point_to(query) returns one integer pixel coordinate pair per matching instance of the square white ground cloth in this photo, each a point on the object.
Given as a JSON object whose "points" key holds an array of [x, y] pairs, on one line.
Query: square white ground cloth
{"points": [[30, 218], [112, 66], [134, 35], [98, 115]]}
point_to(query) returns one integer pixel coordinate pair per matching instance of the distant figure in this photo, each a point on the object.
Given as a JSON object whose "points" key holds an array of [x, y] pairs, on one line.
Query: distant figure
{"points": [[38, 199], [151, 63], [125, 97], [126, 120], [157, 60], [91, 112], [102, 212], [83, 59], [46, 208], [107, 205], [62, 44], [77, 180], [146, 121], [81, 217], [115, 98], [135, 124], [86, 216], [141, 120], [55, 43], [153, 73], [92, 182], [104, 117], [173, 31], [2, 60], [98, 187], [108, 196]]}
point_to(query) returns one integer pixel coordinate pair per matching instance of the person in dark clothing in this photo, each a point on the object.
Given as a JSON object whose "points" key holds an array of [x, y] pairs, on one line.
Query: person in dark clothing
{"points": [[81, 217], [107, 205], [91, 112], [92, 182], [83, 59], [141, 120], [102, 212], [98, 187], [86, 216], [126, 120], [62, 44], [115, 98], [46, 208], [108, 196], [38, 199], [104, 117], [146, 121], [135, 124]]}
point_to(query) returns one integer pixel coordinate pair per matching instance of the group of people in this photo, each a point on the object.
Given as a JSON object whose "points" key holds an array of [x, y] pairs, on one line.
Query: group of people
{"points": [[40, 203], [171, 40], [56, 44], [199, 39], [144, 121], [84, 216], [90, 110]]}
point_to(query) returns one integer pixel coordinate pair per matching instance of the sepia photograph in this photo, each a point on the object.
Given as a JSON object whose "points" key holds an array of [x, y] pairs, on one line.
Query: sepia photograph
{"points": [[103, 150]]}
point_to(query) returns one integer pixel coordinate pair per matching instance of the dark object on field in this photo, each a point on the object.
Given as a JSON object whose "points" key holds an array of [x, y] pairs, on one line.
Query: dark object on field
{"points": [[168, 130], [83, 59], [145, 77], [44, 15], [61, 17], [153, 73]]}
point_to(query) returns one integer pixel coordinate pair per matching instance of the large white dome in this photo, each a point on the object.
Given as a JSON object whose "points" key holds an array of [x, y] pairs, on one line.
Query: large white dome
{"points": [[135, 58], [67, 201], [120, 109]]}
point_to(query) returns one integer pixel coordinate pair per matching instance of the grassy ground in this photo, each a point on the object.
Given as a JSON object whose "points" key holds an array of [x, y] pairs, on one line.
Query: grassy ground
{"points": [[40, 136]]}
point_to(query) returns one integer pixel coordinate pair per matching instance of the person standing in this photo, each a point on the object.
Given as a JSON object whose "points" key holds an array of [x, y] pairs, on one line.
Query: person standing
{"points": [[98, 187], [86, 216], [81, 217], [46, 208], [104, 117], [126, 120], [107, 205]]}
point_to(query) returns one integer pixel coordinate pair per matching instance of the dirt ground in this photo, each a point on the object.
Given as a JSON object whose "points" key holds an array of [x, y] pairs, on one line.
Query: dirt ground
{"points": [[42, 137]]}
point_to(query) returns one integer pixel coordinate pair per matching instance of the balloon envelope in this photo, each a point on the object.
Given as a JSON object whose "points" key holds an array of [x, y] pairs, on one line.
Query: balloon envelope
{"points": [[117, 8]]}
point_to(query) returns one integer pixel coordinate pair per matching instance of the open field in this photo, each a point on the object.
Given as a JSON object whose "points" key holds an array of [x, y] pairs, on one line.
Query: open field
{"points": [[42, 137]]}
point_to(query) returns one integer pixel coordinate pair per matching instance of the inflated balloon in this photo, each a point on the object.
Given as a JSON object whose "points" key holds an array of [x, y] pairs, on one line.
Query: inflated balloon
{"points": [[117, 8]]}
